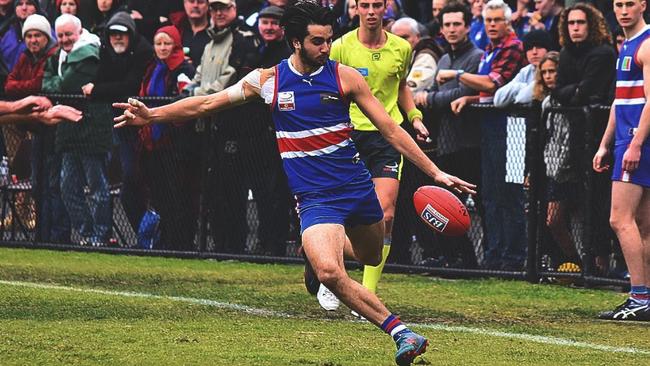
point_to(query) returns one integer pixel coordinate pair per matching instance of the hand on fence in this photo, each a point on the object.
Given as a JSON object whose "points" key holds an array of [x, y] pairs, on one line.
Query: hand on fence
{"points": [[32, 104], [631, 158], [420, 99], [458, 105], [420, 129], [454, 183], [87, 89], [446, 75], [136, 113], [600, 160]]}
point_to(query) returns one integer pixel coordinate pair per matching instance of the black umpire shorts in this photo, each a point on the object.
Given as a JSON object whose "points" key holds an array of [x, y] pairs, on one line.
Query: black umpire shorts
{"points": [[380, 157]]}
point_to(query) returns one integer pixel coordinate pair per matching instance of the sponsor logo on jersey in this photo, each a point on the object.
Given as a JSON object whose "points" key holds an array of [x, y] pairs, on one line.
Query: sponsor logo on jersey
{"points": [[627, 63], [437, 220], [286, 101], [363, 71]]}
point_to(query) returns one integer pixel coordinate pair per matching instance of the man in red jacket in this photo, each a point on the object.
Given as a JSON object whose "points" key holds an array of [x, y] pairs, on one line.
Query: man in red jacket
{"points": [[27, 75], [25, 79]]}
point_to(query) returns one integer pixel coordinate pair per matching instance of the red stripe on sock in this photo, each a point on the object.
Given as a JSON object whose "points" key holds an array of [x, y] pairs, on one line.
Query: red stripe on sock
{"points": [[392, 325]]}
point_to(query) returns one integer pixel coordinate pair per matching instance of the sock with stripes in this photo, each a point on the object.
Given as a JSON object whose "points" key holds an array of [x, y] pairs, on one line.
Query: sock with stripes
{"points": [[393, 326], [640, 294]]}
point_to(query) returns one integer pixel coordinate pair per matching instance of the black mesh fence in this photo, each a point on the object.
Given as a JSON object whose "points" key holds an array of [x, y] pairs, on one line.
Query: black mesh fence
{"points": [[215, 188]]}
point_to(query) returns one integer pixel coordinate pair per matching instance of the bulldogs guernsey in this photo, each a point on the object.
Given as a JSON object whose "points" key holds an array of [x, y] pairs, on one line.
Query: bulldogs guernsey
{"points": [[629, 102], [312, 122]]}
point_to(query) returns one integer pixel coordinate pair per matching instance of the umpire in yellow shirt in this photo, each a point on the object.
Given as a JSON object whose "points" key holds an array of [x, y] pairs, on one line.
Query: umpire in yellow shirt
{"points": [[383, 59]]}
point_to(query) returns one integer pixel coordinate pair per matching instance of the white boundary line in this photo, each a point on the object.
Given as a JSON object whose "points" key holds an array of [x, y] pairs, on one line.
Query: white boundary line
{"points": [[556, 341]]}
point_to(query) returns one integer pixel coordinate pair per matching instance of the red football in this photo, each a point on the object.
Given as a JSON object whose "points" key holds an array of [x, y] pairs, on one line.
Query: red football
{"points": [[441, 210]]}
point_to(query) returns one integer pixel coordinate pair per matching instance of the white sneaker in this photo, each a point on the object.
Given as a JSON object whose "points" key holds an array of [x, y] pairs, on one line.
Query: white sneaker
{"points": [[327, 299]]}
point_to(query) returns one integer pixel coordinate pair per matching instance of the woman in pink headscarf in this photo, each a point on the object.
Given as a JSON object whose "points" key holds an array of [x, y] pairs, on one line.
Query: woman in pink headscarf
{"points": [[162, 161]]}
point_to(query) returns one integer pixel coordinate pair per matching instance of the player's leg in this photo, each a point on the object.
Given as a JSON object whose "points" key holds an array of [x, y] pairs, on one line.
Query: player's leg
{"points": [[386, 189], [626, 199], [625, 202], [323, 244], [643, 222]]}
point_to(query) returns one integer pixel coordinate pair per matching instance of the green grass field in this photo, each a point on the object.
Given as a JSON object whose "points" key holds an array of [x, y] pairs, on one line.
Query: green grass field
{"points": [[82, 309]]}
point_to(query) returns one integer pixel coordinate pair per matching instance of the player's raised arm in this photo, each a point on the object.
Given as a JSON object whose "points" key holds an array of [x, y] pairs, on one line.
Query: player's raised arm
{"points": [[137, 113], [355, 86]]}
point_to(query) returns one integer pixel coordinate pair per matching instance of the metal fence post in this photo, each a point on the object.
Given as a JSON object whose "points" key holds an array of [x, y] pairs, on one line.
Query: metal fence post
{"points": [[204, 126], [588, 237], [535, 121]]}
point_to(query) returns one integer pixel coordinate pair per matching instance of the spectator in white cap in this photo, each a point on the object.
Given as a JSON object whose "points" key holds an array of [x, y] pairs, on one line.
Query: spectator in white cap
{"points": [[27, 75], [26, 79], [84, 146]]}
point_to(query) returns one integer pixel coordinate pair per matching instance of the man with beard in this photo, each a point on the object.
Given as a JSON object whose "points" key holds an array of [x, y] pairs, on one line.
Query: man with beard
{"points": [[124, 55], [339, 210]]}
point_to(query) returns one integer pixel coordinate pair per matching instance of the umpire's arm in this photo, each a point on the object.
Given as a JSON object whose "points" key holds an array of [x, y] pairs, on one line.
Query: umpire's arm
{"points": [[355, 87]]}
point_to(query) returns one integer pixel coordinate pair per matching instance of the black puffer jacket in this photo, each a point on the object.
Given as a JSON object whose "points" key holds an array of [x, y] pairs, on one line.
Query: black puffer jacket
{"points": [[586, 75], [120, 75]]}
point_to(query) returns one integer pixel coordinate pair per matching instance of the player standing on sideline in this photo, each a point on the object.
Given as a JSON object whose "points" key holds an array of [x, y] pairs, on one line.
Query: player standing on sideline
{"points": [[339, 210], [629, 127], [383, 59]]}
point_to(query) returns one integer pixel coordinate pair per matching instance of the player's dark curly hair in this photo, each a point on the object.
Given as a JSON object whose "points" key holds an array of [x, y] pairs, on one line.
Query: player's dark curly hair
{"points": [[300, 15]]}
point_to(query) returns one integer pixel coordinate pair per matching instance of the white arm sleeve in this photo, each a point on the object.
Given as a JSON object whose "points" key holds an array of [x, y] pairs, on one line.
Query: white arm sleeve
{"points": [[236, 92], [267, 90]]}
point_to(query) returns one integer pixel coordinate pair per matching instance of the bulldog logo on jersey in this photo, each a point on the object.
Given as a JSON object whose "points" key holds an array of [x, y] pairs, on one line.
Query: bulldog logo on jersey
{"points": [[286, 101]]}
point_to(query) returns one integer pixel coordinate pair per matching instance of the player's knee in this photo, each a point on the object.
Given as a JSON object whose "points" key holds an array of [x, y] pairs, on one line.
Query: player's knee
{"points": [[389, 216], [330, 275], [619, 223]]}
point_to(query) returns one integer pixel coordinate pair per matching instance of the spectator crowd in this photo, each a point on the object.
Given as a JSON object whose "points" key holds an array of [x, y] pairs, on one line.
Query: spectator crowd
{"points": [[551, 53]]}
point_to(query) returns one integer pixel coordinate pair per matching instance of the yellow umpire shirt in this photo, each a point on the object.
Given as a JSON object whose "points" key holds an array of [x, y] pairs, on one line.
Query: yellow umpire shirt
{"points": [[383, 69]]}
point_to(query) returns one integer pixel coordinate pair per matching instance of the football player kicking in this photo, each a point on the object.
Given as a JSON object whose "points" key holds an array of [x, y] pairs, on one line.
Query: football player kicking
{"points": [[339, 211]]}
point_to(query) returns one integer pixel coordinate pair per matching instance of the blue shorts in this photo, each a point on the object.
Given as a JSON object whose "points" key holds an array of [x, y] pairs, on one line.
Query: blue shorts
{"points": [[353, 204], [641, 176]]}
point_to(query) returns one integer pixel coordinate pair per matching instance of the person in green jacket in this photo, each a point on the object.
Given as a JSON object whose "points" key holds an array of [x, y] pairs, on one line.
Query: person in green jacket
{"points": [[84, 147]]}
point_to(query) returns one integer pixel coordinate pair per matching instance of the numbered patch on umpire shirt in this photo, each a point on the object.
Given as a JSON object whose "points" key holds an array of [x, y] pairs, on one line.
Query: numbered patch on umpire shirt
{"points": [[286, 101]]}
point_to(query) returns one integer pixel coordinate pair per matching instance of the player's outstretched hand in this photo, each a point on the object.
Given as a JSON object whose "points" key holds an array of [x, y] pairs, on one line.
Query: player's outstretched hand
{"points": [[420, 130], [60, 113], [454, 183], [600, 160], [135, 113]]}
